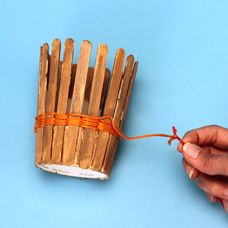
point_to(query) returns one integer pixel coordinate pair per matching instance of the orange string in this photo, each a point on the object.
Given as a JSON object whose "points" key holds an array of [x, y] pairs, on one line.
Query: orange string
{"points": [[103, 123]]}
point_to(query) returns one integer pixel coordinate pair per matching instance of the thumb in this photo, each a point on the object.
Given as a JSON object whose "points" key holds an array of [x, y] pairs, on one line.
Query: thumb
{"points": [[211, 164]]}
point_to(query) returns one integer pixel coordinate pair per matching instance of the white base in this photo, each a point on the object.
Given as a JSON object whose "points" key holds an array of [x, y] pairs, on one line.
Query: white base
{"points": [[73, 171]]}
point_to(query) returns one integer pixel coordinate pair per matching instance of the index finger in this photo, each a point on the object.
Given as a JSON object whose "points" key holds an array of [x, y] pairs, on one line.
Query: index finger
{"points": [[211, 135]]}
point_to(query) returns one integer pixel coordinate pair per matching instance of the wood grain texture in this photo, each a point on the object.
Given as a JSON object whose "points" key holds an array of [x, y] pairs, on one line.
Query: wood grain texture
{"points": [[134, 72], [43, 71], [86, 105], [109, 108], [104, 90], [58, 133], [94, 105], [89, 82], [71, 132], [111, 146], [123, 115], [103, 96], [51, 97], [71, 89]]}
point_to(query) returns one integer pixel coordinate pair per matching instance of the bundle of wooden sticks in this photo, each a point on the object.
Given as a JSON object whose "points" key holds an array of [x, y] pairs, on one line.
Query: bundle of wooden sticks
{"points": [[67, 88]]}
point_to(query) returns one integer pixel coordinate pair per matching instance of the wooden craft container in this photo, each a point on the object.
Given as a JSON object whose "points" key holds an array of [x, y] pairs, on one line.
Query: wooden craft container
{"points": [[65, 87]]}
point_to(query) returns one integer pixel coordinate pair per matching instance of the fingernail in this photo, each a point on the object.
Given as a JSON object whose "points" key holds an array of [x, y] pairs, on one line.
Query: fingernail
{"points": [[212, 199], [191, 150], [190, 174], [189, 170]]}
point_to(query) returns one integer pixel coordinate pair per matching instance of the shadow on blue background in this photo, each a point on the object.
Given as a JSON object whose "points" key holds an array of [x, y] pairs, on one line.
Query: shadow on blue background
{"points": [[182, 48]]}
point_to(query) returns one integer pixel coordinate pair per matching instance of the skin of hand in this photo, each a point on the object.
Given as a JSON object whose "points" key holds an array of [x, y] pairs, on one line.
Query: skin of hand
{"points": [[205, 159]]}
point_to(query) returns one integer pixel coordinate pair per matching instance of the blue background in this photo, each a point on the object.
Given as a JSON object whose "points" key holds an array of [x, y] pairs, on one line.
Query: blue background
{"points": [[182, 48]]}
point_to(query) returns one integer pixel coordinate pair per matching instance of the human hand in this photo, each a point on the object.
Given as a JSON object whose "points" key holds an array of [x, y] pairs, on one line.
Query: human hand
{"points": [[205, 159]]}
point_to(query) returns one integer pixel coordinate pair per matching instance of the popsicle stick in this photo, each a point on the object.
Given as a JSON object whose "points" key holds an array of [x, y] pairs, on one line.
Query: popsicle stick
{"points": [[89, 81], [109, 108], [86, 105], [104, 90], [94, 105], [123, 115], [51, 98], [134, 71], [58, 85], [72, 81], [71, 132], [43, 70], [62, 99], [110, 150], [103, 95]]}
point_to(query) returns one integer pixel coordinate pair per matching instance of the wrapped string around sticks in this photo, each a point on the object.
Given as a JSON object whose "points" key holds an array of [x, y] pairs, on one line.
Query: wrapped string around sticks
{"points": [[103, 123]]}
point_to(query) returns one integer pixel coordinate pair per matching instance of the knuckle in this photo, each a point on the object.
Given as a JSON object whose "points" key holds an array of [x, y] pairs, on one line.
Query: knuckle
{"points": [[214, 126], [189, 136], [213, 164], [207, 165], [188, 133], [215, 189], [223, 161]]}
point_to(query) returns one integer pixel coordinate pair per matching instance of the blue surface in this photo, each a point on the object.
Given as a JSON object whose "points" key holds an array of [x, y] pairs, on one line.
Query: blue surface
{"points": [[182, 48]]}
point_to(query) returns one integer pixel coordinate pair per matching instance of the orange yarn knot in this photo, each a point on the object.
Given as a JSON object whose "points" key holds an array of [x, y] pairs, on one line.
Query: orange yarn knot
{"points": [[175, 136], [102, 123]]}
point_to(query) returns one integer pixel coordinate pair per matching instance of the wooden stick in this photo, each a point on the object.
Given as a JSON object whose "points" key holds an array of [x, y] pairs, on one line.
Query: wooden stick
{"points": [[86, 105], [51, 98], [123, 114], [134, 71], [94, 105], [89, 81], [109, 108], [71, 132], [118, 111], [43, 70], [71, 89], [103, 95], [62, 99], [104, 90]]}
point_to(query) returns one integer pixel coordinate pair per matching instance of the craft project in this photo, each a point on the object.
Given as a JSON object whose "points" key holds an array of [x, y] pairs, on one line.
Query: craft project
{"points": [[71, 138], [81, 110]]}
